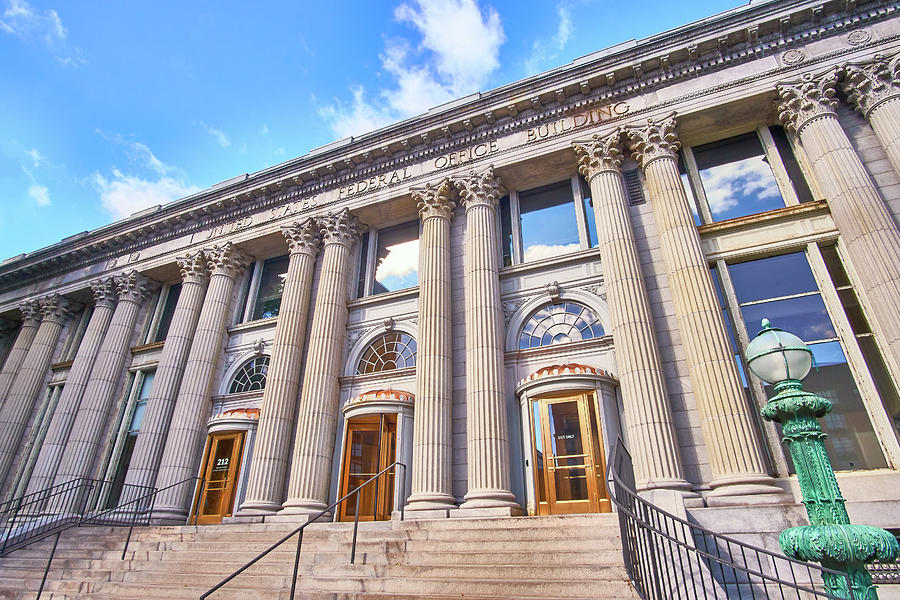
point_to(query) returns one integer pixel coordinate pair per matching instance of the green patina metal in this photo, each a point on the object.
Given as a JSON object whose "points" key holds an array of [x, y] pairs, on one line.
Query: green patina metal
{"points": [[830, 538]]}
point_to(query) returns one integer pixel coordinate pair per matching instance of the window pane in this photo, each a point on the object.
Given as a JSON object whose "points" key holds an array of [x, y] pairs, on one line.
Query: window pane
{"points": [[688, 191], [271, 286], [805, 317], [801, 188], [549, 227], [589, 213], [363, 264], [506, 243], [165, 320], [783, 275], [737, 178], [397, 258]]}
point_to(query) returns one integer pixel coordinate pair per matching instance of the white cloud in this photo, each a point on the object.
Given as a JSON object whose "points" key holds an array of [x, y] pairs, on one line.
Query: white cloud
{"points": [[545, 52], [218, 134], [40, 194], [730, 184], [123, 194], [401, 260], [36, 156], [458, 50], [539, 251], [20, 19]]}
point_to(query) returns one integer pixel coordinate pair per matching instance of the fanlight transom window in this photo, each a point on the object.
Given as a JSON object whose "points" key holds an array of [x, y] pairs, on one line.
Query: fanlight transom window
{"points": [[391, 351], [558, 324], [251, 376]]}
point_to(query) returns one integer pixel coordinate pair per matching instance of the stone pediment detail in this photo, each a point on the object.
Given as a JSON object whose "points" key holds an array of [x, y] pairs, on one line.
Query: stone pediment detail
{"points": [[595, 80]]}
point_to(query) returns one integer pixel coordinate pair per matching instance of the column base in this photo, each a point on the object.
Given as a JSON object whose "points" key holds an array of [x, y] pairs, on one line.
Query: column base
{"points": [[258, 507], [430, 501], [169, 515], [302, 506], [680, 486], [746, 490], [490, 499]]}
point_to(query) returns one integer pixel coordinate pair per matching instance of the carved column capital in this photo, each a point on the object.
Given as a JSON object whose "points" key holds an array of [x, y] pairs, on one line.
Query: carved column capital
{"points": [[812, 97], [105, 293], [134, 287], [303, 237], [56, 308], [31, 313], [227, 259], [868, 85], [340, 228], [479, 189], [599, 154], [434, 200], [657, 139], [193, 267]]}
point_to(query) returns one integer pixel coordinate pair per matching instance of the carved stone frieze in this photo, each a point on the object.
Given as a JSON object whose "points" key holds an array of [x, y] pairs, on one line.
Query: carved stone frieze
{"points": [[303, 237], [193, 267], [655, 140], [868, 85], [479, 188], [434, 200], [812, 97], [354, 335], [599, 154], [227, 259], [511, 307], [340, 228], [134, 287], [57, 309], [595, 288], [31, 313], [105, 293]]}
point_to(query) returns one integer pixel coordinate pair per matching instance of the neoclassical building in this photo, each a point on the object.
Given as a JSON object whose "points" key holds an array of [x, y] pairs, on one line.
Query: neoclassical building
{"points": [[493, 292]]}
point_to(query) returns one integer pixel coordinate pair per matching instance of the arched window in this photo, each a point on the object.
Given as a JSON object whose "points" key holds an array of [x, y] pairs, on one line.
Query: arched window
{"points": [[391, 351], [251, 376], [558, 324]]}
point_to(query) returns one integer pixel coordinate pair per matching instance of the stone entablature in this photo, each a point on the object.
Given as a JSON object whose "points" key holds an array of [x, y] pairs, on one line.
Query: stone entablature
{"points": [[603, 87]]}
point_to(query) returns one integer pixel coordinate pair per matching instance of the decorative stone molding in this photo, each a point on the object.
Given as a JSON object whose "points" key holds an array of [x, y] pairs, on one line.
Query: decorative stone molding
{"points": [[340, 228], [193, 267], [134, 287], [479, 189], [811, 97], [858, 37], [599, 154], [105, 293], [434, 201], [653, 141], [564, 370], [31, 313], [868, 85], [388, 395], [259, 347], [511, 307], [303, 237], [227, 259], [57, 309], [793, 57]]}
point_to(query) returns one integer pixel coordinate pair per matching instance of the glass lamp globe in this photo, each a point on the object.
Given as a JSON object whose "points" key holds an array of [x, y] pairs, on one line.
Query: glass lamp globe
{"points": [[775, 355]]}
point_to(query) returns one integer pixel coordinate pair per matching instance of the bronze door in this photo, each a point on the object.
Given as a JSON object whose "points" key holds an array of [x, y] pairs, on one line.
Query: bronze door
{"points": [[371, 445], [222, 465]]}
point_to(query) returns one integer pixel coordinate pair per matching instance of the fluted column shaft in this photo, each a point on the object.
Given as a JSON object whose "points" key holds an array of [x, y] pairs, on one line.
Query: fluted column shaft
{"points": [[487, 428], [31, 318], [27, 384], [151, 440], [48, 460], [187, 431], [271, 452], [735, 453], [432, 443], [320, 396], [648, 418], [873, 88], [100, 392]]}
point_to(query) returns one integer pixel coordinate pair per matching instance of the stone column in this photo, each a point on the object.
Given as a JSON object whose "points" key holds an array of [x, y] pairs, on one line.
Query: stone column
{"points": [[317, 419], [487, 429], [271, 452], [187, 431], [432, 442], [105, 297], [151, 440], [648, 418], [735, 454], [29, 378], [873, 88], [868, 229], [31, 318], [100, 392]]}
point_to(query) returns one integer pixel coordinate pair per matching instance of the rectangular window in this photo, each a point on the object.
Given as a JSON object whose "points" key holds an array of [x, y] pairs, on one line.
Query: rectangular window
{"points": [[784, 290], [128, 438], [168, 310], [77, 328], [389, 261], [270, 288]]}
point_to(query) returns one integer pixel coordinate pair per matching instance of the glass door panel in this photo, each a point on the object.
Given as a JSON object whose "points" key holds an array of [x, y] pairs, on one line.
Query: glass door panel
{"points": [[223, 454], [371, 445]]}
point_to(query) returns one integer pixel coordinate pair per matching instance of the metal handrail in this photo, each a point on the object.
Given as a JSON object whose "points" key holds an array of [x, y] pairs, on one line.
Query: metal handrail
{"points": [[668, 557], [312, 520]]}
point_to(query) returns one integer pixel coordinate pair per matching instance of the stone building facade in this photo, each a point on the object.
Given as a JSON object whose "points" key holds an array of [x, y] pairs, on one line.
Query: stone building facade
{"points": [[492, 292]]}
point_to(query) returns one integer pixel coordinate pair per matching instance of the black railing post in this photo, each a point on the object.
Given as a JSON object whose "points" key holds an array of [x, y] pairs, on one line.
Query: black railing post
{"points": [[130, 530], [355, 528], [47, 568], [296, 565]]}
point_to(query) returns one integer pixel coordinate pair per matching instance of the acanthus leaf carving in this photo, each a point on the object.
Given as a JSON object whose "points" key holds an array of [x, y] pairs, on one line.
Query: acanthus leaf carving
{"points": [[31, 313], [303, 237], [434, 200], [227, 259], [812, 97], [134, 287], [868, 85], [193, 267], [105, 293], [655, 140], [56, 308], [340, 228], [479, 189], [599, 154]]}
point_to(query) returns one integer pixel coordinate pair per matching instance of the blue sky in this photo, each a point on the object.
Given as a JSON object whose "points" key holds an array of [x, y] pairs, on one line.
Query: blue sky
{"points": [[109, 107]]}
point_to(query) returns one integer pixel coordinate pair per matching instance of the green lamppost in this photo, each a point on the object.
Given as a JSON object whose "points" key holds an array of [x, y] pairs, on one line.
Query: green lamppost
{"points": [[782, 359]]}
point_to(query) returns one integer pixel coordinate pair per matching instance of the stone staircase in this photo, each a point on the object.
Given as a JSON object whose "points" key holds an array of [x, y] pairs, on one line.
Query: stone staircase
{"points": [[571, 557]]}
